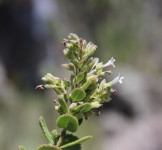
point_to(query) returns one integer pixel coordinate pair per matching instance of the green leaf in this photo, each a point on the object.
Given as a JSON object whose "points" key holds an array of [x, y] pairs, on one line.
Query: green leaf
{"points": [[45, 130], [77, 141], [86, 85], [21, 148], [62, 103], [78, 94], [68, 138], [82, 108], [80, 77], [48, 147], [68, 122], [84, 69]]}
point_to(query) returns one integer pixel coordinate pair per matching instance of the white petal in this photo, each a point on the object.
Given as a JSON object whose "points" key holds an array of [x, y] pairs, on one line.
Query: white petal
{"points": [[97, 60], [110, 63], [120, 80]]}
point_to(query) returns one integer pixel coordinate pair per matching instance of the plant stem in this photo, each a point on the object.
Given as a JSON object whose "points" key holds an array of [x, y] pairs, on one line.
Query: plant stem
{"points": [[63, 133]]}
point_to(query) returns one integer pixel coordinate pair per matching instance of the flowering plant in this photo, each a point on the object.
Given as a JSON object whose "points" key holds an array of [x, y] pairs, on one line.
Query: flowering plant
{"points": [[88, 92]]}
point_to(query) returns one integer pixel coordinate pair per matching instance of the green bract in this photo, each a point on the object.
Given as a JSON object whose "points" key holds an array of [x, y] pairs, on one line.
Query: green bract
{"points": [[78, 94], [80, 77], [68, 122], [82, 108]]}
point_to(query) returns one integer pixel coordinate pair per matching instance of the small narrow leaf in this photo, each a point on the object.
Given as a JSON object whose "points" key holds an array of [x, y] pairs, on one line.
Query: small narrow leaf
{"points": [[48, 147], [21, 148], [62, 103], [68, 122], [77, 141], [45, 130], [82, 108], [80, 77], [78, 94]]}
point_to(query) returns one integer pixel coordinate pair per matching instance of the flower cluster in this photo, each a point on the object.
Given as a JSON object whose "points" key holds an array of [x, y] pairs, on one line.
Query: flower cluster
{"points": [[88, 91]]}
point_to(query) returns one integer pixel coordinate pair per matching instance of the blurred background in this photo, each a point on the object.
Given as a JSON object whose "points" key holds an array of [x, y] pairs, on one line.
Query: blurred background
{"points": [[128, 30]]}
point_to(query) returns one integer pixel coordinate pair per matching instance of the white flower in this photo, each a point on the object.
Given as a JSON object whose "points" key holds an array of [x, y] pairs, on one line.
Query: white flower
{"points": [[96, 62], [118, 79], [110, 63]]}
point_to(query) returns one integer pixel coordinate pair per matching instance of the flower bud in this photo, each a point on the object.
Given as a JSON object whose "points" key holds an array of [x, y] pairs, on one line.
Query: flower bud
{"points": [[79, 103], [72, 106], [49, 78], [93, 79], [101, 74], [85, 56], [66, 66], [50, 86], [99, 66], [74, 42], [71, 66], [73, 36], [69, 54], [59, 109], [102, 84], [96, 104], [84, 46], [91, 73], [69, 45], [91, 62], [90, 49]]}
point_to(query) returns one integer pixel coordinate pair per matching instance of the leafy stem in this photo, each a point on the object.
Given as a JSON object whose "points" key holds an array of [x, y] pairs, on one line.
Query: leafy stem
{"points": [[63, 133]]}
